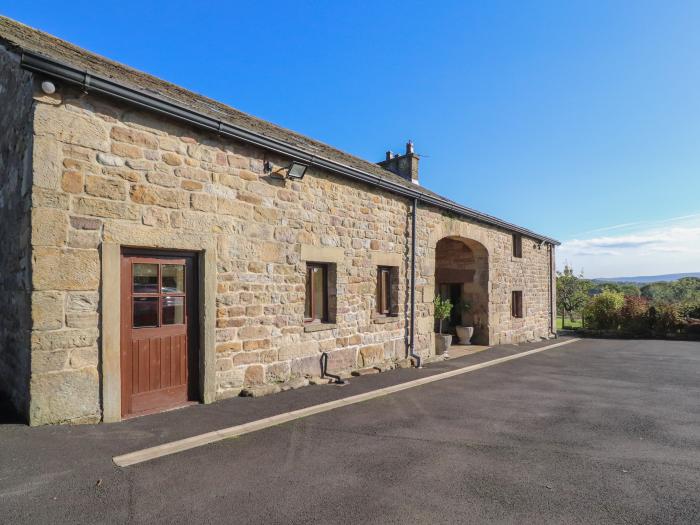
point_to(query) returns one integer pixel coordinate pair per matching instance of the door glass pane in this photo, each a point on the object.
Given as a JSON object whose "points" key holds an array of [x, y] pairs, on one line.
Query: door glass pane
{"points": [[173, 310], [145, 311], [145, 278], [173, 278], [319, 296]]}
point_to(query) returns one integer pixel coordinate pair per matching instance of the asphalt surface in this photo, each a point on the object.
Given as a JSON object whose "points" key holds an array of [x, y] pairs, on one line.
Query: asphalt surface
{"points": [[597, 431]]}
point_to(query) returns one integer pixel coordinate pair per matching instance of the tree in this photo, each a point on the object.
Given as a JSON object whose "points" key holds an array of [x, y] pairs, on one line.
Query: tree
{"points": [[572, 291], [603, 311], [685, 290], [634, 314], [668, 319], [443, 309]]}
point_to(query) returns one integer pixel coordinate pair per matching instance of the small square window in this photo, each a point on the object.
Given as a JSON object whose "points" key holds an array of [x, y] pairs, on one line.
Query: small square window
{"points": [[517, 304], [145, 312], [145, 278], [173, 278], [173, 310], [517, 245]]}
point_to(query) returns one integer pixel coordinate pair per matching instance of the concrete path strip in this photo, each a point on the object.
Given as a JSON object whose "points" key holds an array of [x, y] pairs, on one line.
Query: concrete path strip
{"points": [[181, 445]]}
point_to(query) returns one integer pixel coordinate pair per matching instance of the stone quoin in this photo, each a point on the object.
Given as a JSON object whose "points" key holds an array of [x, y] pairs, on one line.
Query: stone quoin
{"points": [[156, 249]]}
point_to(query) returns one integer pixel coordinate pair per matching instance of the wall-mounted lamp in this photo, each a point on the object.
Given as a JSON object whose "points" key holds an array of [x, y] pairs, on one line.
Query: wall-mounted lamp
{"points": [[296, 171], [48, 87]]}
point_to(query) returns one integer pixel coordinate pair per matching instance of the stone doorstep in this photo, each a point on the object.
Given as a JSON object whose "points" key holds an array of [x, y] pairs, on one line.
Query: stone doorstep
{"points": [[456, 351]]}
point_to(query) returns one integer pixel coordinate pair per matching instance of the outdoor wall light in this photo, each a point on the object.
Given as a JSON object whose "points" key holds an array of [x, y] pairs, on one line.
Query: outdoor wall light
{"points": [[48, 87], [296, 171]]}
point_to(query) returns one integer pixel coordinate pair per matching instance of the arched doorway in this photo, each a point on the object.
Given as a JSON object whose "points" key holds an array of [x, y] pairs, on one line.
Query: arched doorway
{"points": [[462, 275]]}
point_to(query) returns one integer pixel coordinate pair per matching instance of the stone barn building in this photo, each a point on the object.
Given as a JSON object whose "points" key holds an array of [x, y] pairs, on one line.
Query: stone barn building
{"points": [[160, 248]]}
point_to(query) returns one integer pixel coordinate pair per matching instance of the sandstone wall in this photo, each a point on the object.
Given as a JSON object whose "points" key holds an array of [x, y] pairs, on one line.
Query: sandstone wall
{"points": [[15, 186], [115, 172], [529, 273]]}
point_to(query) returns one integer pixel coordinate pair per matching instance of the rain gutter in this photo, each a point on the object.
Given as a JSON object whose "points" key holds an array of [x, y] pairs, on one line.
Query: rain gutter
{"points": [[95, 84]]}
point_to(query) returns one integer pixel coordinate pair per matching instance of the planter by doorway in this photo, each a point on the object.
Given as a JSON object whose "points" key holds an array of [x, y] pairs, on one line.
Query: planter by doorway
{"points": [[465, 333], [442, 343]]}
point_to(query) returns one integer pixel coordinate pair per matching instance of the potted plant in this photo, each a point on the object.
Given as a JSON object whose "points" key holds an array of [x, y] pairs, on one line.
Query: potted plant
{"points": [[464, 333], [443, 308]]}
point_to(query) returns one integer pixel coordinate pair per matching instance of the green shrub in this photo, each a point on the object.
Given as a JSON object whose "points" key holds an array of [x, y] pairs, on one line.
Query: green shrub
{"points": [[690, 310], [668, 319], [602, 312], [634, 314]]}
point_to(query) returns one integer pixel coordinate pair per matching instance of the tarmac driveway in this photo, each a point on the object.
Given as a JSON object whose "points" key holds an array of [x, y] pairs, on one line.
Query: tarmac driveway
{"points": [[597, 431]]}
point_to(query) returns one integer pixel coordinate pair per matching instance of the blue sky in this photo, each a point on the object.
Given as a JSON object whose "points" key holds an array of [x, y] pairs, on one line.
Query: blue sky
{"points": [[570, 118]]}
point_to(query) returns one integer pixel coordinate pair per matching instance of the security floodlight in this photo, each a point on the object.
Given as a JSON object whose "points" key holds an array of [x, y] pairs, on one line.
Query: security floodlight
{"points": [[296, 171]]}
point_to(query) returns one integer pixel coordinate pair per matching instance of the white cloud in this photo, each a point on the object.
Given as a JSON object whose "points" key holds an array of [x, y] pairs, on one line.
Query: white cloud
{"points": [[647, 248]]}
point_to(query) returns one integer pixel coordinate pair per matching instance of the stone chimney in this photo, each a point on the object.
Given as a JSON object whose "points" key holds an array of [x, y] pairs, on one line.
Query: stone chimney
{"points": [[405, 166]]}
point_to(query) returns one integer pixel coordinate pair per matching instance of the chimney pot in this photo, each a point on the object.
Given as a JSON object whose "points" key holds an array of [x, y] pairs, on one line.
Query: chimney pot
{"points": [[405, 166]]}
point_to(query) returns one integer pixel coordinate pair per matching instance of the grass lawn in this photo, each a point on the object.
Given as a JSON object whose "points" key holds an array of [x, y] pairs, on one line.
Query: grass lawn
{"points": [[576, 323]]}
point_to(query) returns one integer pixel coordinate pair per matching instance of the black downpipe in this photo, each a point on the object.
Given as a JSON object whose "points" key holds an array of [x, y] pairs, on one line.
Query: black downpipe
{"points": [[324, 370], [412, 344], [552, 315]]}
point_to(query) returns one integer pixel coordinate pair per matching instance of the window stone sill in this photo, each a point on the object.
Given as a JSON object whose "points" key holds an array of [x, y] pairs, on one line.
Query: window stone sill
{"points": [[319, 327], [385, 319]]}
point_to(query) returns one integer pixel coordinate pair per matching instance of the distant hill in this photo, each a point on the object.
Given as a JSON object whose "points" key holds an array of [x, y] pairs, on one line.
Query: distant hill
{"points": [[647, 278]]}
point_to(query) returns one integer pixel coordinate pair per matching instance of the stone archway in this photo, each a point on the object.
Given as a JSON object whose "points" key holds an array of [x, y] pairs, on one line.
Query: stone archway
{"points": [[462, 273]]}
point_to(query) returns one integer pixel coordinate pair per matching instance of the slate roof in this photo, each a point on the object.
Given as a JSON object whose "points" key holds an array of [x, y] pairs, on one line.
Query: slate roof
{"points": [[25, 38]]}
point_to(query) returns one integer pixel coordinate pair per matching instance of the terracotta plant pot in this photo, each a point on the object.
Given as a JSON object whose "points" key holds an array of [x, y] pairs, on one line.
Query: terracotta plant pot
{"points": [[465, 333], [442, 343]]}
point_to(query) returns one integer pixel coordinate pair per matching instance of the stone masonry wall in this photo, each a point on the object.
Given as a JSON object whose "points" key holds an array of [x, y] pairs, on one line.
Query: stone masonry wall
{"points": [[15, 196], [110, 170], [530, 273]]}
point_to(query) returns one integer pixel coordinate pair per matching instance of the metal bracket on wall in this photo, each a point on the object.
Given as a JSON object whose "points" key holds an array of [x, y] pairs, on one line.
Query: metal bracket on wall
{"points": [[324, 370], [86, 82]]}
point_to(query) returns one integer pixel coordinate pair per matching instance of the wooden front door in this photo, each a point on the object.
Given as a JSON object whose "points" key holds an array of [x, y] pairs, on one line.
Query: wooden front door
{"points": [[158, 331]]}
